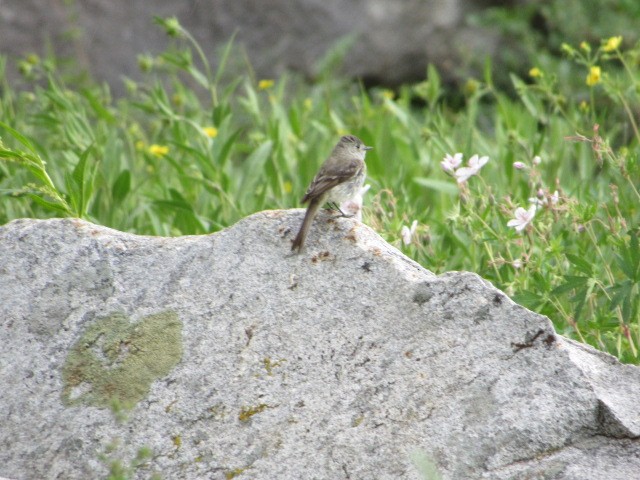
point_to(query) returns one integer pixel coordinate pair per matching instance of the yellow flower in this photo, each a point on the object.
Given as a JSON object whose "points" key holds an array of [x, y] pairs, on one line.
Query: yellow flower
{"points": [[535, 72], [265, 84], [471, 86], [158, 150], [594, 76], [32, 59], [387, 94], [585, 46], [612, 44], [287, 186], [308, 103], [177, 99], [211, 132]]}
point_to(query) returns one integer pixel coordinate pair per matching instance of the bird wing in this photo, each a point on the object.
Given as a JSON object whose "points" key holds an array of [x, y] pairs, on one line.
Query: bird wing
{"points": [[324, 181]]}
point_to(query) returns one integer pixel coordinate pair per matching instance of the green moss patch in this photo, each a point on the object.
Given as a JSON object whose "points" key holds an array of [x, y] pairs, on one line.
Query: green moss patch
{"points": [[116, 360]]}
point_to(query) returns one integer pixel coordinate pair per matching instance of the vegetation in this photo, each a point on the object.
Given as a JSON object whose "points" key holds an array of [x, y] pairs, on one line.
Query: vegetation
{"points": [[550, 215]]}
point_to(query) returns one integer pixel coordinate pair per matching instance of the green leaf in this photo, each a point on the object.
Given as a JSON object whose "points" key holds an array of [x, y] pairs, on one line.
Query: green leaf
{"points": [[198, 76], [619, 292], [121, 186], [178, 205], [253, 168], [98, 107], [571, 282], [20, 138], [629, 259], [582, 264], [437, 185], [224, 58], [184, 218], [400, 113], [80, 184], [434, 85], [488, 71], [220, 156], [530, 101], [529, 299], [55, 207]]}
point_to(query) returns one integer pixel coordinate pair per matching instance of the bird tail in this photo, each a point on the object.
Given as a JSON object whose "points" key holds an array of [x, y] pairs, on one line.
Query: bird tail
{"points": [[298, 243]]}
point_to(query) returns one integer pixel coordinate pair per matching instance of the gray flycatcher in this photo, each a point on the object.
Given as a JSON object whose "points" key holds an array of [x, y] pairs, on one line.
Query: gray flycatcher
{"points": [[340, 177]]}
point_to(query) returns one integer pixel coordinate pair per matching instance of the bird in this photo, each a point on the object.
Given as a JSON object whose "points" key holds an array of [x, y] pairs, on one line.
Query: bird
{"points": [[340, 178]]}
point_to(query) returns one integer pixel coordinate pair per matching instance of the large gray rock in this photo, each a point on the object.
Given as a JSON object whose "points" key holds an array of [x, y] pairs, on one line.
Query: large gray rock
{"points": [[228, 357], [394, 40]]}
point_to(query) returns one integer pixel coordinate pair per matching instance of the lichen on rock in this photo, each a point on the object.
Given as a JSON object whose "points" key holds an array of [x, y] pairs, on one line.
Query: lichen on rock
{"points": [[117, 360]]}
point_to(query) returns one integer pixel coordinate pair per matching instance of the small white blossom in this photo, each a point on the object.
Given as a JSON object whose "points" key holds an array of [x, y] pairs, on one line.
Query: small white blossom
{"points": [[477, 163], [353, 206], [450, 163], [517, 263], [519, 165], [407, 233], [522, 218], [474, 165], [555, 197], [537, 160]]}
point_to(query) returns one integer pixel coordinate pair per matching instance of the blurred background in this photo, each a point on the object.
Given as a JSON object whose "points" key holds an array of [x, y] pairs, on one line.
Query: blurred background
{"points": [[381, 42]]}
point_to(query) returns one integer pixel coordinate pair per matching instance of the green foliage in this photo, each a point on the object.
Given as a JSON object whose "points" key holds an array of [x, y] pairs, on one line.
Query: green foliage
{"points": [[118, 470], [193, 149]]}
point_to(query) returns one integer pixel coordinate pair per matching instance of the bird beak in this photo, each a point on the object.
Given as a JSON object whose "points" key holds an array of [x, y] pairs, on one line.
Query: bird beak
{"points": [[368, 148]]}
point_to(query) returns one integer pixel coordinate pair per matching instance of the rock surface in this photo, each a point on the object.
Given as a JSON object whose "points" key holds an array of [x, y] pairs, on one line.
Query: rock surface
{"points": [[225, 356], [393, 40]]}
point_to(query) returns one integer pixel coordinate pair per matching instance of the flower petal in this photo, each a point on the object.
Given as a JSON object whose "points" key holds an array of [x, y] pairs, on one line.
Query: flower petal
{"points": [[464, 173]]}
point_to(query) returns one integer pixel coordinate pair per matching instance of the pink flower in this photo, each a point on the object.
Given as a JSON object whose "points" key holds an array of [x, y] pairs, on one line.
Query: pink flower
{"points": [[474, 165], [519, 165], [450, 163], [522, 218]]}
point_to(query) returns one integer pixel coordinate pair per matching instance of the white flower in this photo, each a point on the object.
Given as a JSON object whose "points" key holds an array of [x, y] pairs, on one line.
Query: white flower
{"points": [[519, 165], [537, 160], [450, 163], [517, 263], [475, 164], [407, 233], [522, 218], [555, 197], [353, 206]]}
